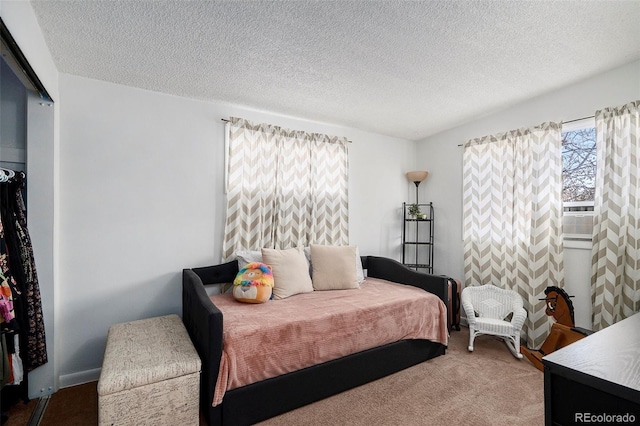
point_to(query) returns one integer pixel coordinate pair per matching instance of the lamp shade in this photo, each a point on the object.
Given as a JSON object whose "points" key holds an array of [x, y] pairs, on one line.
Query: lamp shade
{"points": [[417, 177]]}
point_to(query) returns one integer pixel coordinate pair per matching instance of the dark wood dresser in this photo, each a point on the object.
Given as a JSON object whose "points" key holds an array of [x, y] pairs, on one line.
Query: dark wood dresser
{"points": [[595, 380]]}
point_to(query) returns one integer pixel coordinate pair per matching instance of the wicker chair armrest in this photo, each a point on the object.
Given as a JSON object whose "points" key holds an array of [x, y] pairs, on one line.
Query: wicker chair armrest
{"points": [[519, 315], [468, 308]]}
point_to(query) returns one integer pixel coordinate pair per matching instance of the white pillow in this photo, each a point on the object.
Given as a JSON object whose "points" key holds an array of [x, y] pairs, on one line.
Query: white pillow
{"points": [[334, 267], [248, 256], [290, 271]]}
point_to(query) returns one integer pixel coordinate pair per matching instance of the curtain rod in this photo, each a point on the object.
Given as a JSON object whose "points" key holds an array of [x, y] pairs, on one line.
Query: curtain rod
{"points": [[578, 119], [564, 122], [228, 121]]}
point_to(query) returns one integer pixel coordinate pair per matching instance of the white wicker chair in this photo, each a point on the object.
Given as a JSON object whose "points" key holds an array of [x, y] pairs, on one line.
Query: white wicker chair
{"points": [[487, 308]]}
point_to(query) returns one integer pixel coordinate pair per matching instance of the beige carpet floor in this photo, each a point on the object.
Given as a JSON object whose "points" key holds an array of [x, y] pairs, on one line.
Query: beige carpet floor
{"points": [[486, 387]]}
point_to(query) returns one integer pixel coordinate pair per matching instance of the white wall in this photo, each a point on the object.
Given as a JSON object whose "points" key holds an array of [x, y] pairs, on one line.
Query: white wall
{"points": [[142, 198], [441, 155], [42, 155]]}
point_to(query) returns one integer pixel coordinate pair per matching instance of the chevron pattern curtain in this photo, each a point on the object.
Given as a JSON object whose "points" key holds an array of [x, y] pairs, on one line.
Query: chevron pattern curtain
{"points": [[615, 271], [512, 217], [285, 188]]}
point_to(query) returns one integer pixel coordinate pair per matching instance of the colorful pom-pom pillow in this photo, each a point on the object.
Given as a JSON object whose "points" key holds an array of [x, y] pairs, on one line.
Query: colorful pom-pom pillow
{"points": [[253, 284]]}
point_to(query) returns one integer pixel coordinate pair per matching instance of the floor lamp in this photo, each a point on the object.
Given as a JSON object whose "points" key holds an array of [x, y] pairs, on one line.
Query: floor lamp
{"points": [[416, 178]]}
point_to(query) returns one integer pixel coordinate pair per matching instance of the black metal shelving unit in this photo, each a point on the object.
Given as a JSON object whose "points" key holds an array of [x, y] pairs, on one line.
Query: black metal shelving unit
{"points": [[417, 238]]}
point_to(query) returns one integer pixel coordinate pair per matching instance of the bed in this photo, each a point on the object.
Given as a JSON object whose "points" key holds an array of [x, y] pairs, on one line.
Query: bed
{"points": [[275, 395]]}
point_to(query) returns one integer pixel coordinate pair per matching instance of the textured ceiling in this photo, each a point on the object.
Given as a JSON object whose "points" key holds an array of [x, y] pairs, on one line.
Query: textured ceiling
{"points": [[407, 69]]}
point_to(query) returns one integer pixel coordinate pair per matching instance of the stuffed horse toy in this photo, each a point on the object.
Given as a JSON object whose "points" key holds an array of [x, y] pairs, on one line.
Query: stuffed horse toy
{"points": [[563, 331]]}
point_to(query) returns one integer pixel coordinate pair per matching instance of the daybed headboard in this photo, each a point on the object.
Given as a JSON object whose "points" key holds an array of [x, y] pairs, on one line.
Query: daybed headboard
{"points": [[392, 270]]}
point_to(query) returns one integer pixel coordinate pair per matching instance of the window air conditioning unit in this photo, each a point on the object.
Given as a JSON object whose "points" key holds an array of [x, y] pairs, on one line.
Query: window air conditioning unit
{"points": [[577, 220]]}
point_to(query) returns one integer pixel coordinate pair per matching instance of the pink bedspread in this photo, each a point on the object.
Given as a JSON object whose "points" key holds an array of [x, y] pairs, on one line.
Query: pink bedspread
{"points": [[266, 340]]}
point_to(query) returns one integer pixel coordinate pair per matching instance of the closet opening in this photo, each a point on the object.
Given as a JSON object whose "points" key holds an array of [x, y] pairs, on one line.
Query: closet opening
{"points": [[26, 237]]}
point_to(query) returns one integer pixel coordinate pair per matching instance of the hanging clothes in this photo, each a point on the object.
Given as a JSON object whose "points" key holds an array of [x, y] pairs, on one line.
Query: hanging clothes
{"points": [[21, 266], [5, 368], [8, 287]]}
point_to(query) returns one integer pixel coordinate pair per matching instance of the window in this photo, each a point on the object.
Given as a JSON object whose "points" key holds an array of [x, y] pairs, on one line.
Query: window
{"points": [[578, 177], [285, 188]]}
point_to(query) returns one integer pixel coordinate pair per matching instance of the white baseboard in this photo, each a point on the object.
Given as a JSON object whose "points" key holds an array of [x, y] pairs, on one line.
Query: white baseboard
{"points": [[79, 378]]}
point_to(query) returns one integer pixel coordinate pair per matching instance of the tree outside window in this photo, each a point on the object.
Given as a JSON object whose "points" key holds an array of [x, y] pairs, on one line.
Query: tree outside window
{"points": [[579, 166]]}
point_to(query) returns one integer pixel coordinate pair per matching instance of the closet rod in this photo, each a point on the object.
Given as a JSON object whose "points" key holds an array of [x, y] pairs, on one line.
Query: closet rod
{"points": [[564, 122], [228, 121]]}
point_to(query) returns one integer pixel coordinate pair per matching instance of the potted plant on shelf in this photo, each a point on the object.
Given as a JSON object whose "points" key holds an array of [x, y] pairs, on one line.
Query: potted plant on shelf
{"points": [[414, 211]]}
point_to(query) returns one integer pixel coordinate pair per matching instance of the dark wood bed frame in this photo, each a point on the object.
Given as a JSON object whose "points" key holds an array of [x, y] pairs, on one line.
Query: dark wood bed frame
{"points": [[280, 394]]}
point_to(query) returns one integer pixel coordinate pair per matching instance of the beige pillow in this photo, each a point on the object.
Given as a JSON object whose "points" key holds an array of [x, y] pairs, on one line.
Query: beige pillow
{"points": [[334, 267], [290, 272], [359, 270]]}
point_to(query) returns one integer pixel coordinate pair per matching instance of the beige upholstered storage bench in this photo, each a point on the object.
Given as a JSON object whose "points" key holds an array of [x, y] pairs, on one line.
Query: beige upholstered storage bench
{"points": [[150, 375]]}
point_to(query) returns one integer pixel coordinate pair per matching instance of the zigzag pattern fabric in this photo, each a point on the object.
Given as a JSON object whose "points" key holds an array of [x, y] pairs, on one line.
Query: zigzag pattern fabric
{"points": [[615, 270], [285, 188], [512, 217]]}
